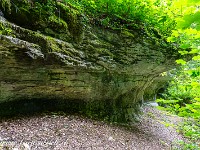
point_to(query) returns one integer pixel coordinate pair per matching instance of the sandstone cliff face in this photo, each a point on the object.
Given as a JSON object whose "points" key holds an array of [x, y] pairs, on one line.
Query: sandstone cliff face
{"points": [[97, 71]]}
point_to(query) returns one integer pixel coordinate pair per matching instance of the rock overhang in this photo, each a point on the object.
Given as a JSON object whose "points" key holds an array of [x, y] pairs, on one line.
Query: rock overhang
{"points": [[109, 70]]}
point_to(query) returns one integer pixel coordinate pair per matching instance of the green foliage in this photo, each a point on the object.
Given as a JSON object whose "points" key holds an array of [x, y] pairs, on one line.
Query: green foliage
{"points": [[191, 130], [4, 30], [157, 17], [187, 31], [183, 93], [6, 5], [183, 98], [128, 14], [186, 146]]}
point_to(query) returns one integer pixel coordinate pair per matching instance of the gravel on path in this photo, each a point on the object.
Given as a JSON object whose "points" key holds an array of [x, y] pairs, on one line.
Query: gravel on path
{"points": [[70, 132]]}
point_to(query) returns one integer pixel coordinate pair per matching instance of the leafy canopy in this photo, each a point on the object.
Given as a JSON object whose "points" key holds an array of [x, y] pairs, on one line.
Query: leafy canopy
{"points": [[187, 31]]}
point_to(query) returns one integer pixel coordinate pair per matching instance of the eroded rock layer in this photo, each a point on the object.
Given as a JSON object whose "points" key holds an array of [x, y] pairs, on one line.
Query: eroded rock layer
{"points": [[101, 71]]}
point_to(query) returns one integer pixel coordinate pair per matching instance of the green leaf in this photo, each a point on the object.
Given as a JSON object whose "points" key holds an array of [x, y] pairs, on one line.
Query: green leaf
{"points": [[181, 61], [194, 51], [185, 46], [183, 52], [197, 99], [177, 106], [162, 19], [193, 1], [196, 57], [175, 33], [191, 20], [171, 39]]}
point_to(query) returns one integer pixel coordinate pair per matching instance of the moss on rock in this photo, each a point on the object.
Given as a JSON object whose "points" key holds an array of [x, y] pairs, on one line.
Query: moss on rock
{"points": [[54, 56]]}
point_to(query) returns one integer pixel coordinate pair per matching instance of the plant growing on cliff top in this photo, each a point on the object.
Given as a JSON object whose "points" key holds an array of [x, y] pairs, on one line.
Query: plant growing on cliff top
{"points": [[128, 13], [6, 5], [139, 14]]}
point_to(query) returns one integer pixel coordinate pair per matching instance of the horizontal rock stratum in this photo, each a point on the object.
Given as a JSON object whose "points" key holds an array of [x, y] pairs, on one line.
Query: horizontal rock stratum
{"points": [[85, 67]]}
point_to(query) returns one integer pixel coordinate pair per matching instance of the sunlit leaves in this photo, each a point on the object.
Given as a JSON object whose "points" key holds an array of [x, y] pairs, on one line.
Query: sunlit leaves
{"points": [[191, 31], [195, 84], [119, 1], [190, 21], [185, 88], [175, 33], [123, 13], [171, 39], [183, 52], [181, 61], [197, 99], [187, 33], [196, 57], [192, 2], [183, 93], [185, 46]]}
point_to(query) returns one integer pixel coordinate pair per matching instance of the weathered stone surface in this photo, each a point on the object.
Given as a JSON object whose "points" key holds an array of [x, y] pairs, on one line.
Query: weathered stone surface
{"points": [[105, 72]]}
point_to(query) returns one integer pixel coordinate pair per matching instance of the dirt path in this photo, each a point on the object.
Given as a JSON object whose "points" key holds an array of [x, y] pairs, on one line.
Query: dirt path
{"points": [[60, 132]]}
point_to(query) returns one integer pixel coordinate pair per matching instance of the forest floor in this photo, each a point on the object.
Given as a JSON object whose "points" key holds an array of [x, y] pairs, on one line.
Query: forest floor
{"points": [[154, 131]]}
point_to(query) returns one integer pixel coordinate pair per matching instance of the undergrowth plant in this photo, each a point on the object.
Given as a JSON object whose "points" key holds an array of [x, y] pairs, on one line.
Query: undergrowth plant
{"points": [[128, 13], [182, 98]]}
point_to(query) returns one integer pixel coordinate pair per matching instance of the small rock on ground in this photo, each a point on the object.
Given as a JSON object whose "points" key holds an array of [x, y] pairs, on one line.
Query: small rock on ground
{"points": [[70, 132]]}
